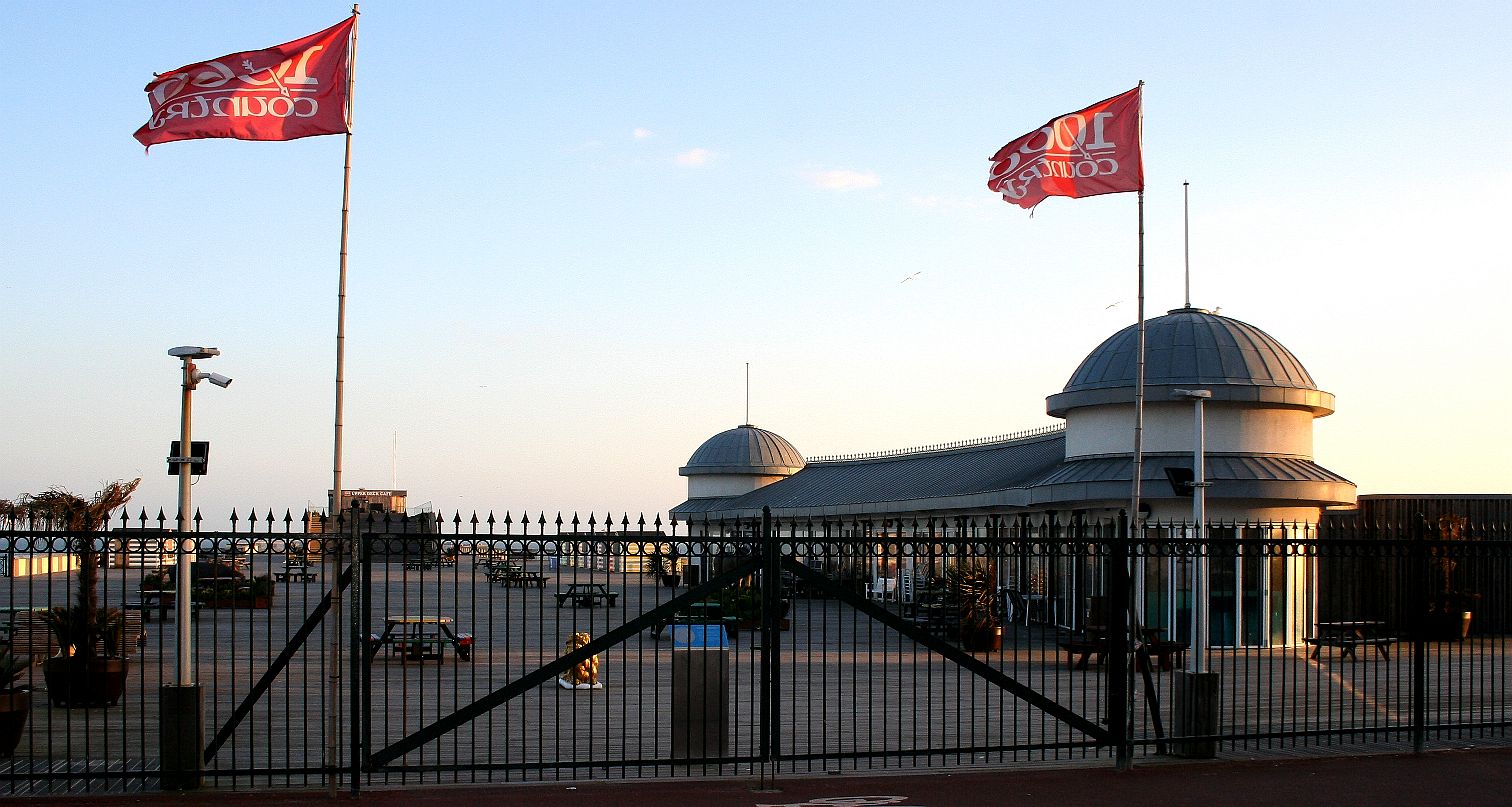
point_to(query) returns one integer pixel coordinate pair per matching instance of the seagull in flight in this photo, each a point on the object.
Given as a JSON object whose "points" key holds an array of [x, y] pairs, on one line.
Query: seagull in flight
{"points": [[912, 276]]}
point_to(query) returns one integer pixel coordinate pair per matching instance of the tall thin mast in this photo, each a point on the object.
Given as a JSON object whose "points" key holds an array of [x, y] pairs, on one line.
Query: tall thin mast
{"points": [[1186, 237], [1139, 373], [333, 735]]}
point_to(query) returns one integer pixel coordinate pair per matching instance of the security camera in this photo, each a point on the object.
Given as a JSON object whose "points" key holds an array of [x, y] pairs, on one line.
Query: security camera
{"points": [[217, 379]]}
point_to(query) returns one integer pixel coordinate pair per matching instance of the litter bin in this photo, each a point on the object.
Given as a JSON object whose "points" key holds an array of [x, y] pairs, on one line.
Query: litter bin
{"points": [[700, 692]]}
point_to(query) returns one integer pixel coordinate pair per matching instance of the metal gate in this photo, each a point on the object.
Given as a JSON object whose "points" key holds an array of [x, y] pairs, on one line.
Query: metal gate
{"points": [[465, 643]]}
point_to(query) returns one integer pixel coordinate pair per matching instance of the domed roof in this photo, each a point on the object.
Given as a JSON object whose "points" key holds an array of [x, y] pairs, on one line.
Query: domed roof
{"points": [[1191, 348], [744, 450]]}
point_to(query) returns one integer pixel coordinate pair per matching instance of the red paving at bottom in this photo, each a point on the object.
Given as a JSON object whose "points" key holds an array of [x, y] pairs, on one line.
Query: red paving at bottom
{"points": [[1461, 777]]}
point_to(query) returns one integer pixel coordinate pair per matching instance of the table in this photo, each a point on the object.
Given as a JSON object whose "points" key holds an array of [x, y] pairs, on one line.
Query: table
{"points": [[513, 574], [163, 601], [699, 613], [586, 595], [295, 574], [416, 637], [1349, 634], [1166, 652]]}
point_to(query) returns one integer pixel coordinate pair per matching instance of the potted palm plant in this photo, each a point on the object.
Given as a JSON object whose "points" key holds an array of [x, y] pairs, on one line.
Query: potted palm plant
{"points": [[15, 702], [88, 670], [972, 584], [662, 564]]}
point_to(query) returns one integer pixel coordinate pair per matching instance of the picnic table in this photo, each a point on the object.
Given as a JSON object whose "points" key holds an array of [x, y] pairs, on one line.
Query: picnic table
{"points": [[1165, 652], [585, 595], [416, 637], [698, 613], [1347, 635], [162, 601], [295, 573], [515, 575]]}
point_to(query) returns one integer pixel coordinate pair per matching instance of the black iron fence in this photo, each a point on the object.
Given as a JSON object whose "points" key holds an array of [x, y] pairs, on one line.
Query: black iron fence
{"points": [[395, 651]]}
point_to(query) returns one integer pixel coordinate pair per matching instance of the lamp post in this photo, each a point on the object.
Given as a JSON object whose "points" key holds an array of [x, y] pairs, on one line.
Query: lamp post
{"points": [[1196, 688], [1199, 521], [181, 711]]}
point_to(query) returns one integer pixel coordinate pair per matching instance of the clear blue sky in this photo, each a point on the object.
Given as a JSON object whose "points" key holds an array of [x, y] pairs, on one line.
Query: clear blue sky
{"points": [[573, 224]]}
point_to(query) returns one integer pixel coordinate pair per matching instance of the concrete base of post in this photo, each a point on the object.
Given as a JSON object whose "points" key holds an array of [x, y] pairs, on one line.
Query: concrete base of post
{"points": [[1196, 697], [181, 736]]}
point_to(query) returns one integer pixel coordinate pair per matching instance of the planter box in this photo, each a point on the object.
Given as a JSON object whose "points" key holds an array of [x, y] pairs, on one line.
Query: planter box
{"points": [[15, 705], [74, 682]]}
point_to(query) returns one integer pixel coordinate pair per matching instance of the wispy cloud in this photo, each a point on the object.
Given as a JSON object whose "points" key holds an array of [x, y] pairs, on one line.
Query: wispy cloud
{"points": [[841, 179], [695, 158], [642, 133]]}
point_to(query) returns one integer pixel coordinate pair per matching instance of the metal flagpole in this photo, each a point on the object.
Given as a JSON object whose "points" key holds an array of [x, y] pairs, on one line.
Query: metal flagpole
{"points": [[1139, 372], [1124, 758], [333, 739]]}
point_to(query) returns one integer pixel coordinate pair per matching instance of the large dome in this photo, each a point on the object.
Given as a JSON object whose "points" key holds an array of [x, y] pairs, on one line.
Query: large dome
{"points": [[1190, 348], [744, 450]]}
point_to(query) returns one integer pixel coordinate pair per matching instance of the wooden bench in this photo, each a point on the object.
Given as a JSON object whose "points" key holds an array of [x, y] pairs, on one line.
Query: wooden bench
{"points": [[1078, 651], [1348, 644], [30, 636]]}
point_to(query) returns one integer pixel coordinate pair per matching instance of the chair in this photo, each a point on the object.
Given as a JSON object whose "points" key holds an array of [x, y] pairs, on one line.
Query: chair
{"points": [[906, 587], [885, 588]]}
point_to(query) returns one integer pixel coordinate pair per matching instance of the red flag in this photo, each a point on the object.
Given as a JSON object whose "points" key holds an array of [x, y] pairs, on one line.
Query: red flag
{"points": [[1086, 153], [293, 90]]}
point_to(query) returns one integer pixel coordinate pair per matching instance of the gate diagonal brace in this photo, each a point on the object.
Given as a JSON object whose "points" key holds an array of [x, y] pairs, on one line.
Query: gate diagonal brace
{"points": [[541, 675], [296, 643], [971, 663]]}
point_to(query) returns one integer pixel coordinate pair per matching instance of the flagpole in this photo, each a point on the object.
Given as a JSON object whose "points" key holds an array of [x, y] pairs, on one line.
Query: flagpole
{"points": [[1139, 371], [333, 739], [1136, 529]]}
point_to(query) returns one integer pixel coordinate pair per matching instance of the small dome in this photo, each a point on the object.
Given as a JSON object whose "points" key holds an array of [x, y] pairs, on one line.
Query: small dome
{"points": [[1191, 348], [744, 450]]}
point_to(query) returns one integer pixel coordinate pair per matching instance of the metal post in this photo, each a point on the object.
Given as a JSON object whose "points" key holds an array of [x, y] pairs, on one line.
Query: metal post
{"points": [[1200, 602], [1118, 661], [1197, 691], [1421, 571], [183, 586], [771, 670]]}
